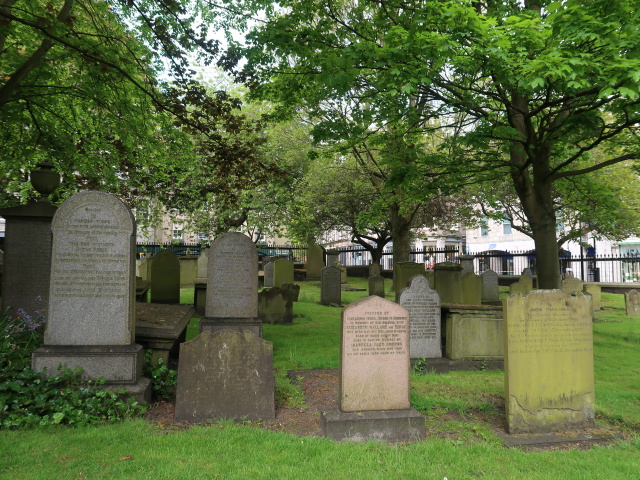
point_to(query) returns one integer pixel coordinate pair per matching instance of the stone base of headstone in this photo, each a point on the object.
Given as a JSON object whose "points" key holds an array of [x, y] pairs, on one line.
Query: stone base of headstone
{"points": [[474, 332], [119, 365], [253, 325], [445, 365], [382, 425], [200, 295]]}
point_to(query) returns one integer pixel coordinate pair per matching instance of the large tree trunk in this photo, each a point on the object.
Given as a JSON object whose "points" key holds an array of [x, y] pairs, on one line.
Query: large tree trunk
{"points": [[401, 234]]}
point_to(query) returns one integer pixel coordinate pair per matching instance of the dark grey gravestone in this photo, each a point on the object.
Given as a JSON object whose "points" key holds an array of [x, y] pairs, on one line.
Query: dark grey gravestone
{"points": [[165, 278], [490, 290], [275, 305], [293, 289], [423, 304], [92, 297], [376, 286], [374, 269], [330, 288], [227, 374]]}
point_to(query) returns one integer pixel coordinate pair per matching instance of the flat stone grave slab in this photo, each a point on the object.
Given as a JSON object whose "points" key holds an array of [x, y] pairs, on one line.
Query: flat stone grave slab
{"points": [[162, 328]]}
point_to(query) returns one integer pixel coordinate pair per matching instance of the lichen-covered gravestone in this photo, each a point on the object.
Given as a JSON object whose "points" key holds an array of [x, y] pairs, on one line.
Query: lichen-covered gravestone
{"points": [[293, 289], [165, 278], [282, 272], [632, 302], [402, 273], [92, 298], [549, 385], [275, 306], [226, 374], [423, 304], [330, 288], [374, 376], [448, 282], [572, 284], [471, 288], [315, 262]]}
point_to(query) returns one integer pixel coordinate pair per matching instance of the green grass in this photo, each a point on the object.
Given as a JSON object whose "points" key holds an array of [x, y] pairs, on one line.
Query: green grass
{"points": [[458, 406]]}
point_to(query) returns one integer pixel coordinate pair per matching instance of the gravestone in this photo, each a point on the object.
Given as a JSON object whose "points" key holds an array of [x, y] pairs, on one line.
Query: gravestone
{"points": [[374, 376], [200, 283], [330, 289], [269, 270], [466, 262], [203, 264], [226, 374], [275, 305], [474, 332], [448, 282], [343, 272], [376, 286], [293, 289], [524, 285], [423, 304], [333, 257], [165, 278], [92, 298], [572, 284], [595, 291], [549, 383], [315, 262], [526, 272], [490, 290], [282, 272], [375, 269], [402, 273], [632, 302], [232, 285], [471, 289]]}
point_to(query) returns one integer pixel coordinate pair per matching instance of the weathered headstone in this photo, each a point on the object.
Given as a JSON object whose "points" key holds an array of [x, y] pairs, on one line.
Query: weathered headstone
{"points": [[402, 273], [330, 289], [282, 272], [596, 295], [203, 263], [448, 282], [549, 384], [572, 284], [227, 374], [474, 332], [376, 286], [315, 262], [374, 376], [526, 272], [343, 272], [471, 289], [466, 262], [232, 285], [275, 305], [423, 304], [375, 269], [269, 271], [632, 302], [92, 298], [524, 285], [490, 290], [293, 289], [165, 278], [333, 257]]}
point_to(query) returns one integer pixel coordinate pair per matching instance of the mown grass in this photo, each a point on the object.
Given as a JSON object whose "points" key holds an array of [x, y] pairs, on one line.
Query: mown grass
{"points": [[457, 405]]}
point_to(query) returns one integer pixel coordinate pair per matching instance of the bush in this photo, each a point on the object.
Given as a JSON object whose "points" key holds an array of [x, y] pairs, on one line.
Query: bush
{"points": [[164, 380]]}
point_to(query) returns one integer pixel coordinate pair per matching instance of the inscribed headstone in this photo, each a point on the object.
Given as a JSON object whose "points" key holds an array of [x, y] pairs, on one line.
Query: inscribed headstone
{"points": [[275, 305], [490, 290], [165, 278], [549, 384], [572, 284], [632, 302], [471, 289], [282, 272], [448, 282], [315, 262], [423, 304], [374, 356], [227, 374], [376, 286], [330, 289], [232, 282], [402, 273]]}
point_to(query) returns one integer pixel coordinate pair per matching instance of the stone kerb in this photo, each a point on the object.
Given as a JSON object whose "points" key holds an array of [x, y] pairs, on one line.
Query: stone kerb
{"points": [[165, 278], [226, 374], [330, 287], [549, 380], [423, 304]]}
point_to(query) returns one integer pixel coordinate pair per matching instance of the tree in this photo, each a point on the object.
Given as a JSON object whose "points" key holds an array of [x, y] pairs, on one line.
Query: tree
{"points": [[528, 90]]}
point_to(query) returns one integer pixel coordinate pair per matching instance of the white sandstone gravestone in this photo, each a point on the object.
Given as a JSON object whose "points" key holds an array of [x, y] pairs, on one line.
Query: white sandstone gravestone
{"points": [[423, 304]]}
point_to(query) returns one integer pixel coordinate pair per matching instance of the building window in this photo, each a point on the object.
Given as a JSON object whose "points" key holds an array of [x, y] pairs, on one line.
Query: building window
{"points": [[177, 232], [484, 227], [506, 227]]}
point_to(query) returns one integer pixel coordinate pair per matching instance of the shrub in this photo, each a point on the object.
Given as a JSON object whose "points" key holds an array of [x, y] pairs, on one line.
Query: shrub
{"points": [[164, 380]]}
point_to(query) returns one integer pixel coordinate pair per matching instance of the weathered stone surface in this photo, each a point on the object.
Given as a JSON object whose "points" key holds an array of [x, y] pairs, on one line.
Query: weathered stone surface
{"points": [[490, 290], [466, 262], [595, 291], [269, 270], [165, 278], [632, 302], [161, 328], [343, 272], [549, 383], [315, 262], [203, 264], [376, 286], [374, 356], [275, 305], [293, 289], [471, 289], [227, 374], [333, 257], [572, 284], [375, 269], [388, 426], [474, 332], [402, 273], [330, 289], [282, 272], [232, 284], [524, 285], [448, 282], [423, 304]]}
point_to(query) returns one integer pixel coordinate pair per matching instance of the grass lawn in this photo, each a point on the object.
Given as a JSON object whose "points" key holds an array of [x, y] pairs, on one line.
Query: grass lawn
{"points": [[455, 403]]}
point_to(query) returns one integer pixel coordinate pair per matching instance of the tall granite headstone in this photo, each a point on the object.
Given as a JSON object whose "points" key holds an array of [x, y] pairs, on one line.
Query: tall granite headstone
{"points": [[165, 278], [232, 285], [374, 376], [490, 290], [226, 374], [549, 381], [92, 298], [423, 304], [315, 262], [402, 273], [632, 302], [330, 288]]}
